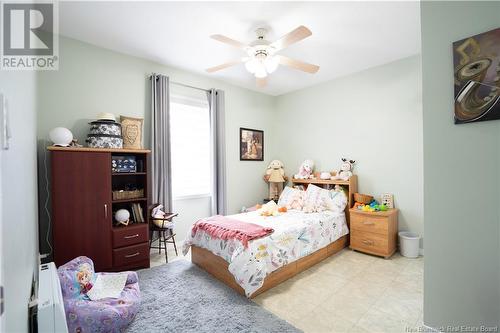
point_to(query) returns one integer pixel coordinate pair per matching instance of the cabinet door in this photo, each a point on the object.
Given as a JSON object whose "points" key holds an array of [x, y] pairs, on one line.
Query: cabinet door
{"points": [[81, 207]]}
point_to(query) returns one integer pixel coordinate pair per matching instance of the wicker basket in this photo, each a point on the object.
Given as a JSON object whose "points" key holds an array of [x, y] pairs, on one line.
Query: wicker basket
{"points": [[363, 198], [121, 195]]}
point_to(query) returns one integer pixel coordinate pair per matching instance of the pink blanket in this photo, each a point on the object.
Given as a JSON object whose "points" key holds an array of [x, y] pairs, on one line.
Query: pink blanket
{"points": [[219, 226]]}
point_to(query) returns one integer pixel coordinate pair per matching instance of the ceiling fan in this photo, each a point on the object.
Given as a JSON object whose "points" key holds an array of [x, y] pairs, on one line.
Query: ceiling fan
{"points": [[262, 58]]}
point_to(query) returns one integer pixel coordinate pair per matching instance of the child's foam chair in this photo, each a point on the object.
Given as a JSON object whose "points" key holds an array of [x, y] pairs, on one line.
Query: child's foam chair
{"points": [[105, 315]]}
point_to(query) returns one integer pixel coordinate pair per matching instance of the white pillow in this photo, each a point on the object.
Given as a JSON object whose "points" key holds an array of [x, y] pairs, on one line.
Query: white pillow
{"points": [[337, 201], [316, 199], [319, 199], [291, 198]]}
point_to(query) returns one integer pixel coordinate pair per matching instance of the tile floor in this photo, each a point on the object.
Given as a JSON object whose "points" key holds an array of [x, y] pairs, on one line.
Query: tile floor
{"points": [[348, 292], [352, 292], [156, 259]]}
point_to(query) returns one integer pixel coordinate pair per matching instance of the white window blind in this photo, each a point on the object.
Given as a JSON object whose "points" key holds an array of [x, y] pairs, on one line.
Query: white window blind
{"points": [[190, 146]]}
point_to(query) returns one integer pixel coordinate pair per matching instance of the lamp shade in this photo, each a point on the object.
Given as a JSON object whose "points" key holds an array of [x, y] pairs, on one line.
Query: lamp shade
{"points": [[61, 136]]}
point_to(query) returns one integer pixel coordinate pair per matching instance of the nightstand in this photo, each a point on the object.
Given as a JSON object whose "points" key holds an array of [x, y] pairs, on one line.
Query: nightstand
{"points": [[374, 232]]}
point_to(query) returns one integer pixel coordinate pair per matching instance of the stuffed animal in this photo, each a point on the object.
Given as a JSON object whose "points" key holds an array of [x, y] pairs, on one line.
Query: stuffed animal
{"points": [[269, 209], [305, 170], [275, 176], [345, 170]]}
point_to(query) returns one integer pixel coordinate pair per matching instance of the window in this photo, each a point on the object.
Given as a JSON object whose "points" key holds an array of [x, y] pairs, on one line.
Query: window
{"points": [[190, 146]]}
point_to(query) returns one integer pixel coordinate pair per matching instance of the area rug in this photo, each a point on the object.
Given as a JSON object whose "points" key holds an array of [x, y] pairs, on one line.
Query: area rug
{"points": [[180, 297]]}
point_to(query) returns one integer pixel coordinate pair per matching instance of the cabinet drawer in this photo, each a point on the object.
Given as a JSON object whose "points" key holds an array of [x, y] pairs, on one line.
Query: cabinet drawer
{"points": [[376, 224], [130, 235], [366, 241], [130, 254]]}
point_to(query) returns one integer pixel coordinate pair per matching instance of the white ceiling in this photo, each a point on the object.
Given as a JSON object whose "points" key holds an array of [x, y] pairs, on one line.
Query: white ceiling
{"points": [[347, 36]]}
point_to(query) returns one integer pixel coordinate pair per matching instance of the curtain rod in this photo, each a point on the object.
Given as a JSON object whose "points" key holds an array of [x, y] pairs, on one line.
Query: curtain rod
{"points": [[188, 86], [183, 85]]}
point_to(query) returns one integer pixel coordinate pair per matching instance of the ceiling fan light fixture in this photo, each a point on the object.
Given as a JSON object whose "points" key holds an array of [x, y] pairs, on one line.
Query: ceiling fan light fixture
{"points": [[261, 59], [271, 63], [252, 65], [261, 73]]}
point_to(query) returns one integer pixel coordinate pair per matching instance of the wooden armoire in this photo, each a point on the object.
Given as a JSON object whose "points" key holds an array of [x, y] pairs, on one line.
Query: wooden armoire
{"points": [[82, 182]]}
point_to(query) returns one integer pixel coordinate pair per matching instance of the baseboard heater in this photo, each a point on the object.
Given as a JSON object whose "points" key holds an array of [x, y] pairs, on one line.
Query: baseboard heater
{"points": [[50, 313]]}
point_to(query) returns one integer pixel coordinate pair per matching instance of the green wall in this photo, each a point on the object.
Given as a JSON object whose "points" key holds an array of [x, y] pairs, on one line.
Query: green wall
{"points": [[91, 79], [461, 179], [373, 117]]}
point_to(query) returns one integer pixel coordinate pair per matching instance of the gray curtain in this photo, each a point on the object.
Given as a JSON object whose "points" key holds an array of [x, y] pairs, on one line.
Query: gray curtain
{"points": [[161, 185], [218, 151]]}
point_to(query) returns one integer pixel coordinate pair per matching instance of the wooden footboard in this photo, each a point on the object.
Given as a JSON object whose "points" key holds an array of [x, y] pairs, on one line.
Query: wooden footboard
{"points": [[218, 267]]}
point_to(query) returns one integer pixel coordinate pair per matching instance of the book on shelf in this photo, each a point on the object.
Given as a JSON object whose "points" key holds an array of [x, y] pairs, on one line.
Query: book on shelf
{"points": [[133, 212], [140, 213], [137, 212]]}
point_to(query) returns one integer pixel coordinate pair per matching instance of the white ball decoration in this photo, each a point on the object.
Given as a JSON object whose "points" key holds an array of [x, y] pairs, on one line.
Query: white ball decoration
{"points": [[61, 136], [122, 215]]}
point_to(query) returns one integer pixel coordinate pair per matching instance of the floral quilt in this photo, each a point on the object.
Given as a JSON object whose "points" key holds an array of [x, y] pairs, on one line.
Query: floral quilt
{"points": [[296, 235]]}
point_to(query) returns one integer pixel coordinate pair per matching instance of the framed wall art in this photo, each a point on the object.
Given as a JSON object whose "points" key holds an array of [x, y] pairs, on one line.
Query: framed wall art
{"points": [[251, 145], [476, 62]]}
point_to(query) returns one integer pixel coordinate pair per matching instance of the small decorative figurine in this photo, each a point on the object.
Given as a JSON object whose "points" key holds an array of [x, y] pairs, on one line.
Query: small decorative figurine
{"points": [[388, 200]]}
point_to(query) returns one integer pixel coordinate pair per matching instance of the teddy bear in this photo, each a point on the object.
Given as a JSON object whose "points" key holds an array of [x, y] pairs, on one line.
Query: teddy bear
{"points": [[305, 170], [345, 170]]}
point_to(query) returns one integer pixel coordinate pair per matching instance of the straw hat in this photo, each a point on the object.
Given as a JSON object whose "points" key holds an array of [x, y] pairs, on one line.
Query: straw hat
{"points": [[106, 116]]}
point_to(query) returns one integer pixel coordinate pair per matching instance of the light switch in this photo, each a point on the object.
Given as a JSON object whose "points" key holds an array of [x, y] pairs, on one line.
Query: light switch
{"points": [[4, 122]]}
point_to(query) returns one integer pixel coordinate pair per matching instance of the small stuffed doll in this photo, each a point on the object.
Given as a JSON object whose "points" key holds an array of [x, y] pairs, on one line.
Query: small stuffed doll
{"points": [[345, 170], [158, 213], [275, 176], [305, 170], [84, 278]]}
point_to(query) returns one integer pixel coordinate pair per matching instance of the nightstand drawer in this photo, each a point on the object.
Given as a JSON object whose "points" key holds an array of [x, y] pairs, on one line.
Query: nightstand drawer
{"points": [[369, 242], [369, 223]]}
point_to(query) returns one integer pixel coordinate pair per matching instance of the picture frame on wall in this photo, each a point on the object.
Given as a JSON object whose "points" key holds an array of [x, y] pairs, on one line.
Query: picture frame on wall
{"points": [[251, 144], [477, 77]]}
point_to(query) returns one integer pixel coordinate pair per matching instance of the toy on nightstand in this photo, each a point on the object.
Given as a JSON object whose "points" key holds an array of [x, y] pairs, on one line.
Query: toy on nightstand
{"points": [[374, 206], [345, 170], [388, 200], [306, 170]]}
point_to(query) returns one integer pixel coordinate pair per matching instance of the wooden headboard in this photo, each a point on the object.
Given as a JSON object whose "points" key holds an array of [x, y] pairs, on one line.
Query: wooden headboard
{"points": [[350, 186]]}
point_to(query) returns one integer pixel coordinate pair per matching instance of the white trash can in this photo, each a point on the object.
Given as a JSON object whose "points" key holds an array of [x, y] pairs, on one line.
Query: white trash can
{"points": [[409, 244]]}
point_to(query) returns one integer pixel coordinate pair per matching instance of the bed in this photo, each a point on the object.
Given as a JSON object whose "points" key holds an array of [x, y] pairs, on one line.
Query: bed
{"points": [[299, 241]]}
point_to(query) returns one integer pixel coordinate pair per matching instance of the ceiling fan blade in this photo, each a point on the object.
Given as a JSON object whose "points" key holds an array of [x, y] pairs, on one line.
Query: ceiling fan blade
{"points": [[297, 64], [229, 41], [261, 82], [225, 65], [292, 37]]}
